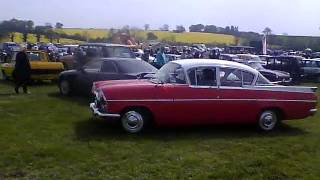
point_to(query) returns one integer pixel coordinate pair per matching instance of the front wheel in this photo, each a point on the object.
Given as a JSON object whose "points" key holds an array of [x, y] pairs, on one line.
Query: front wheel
{"points": [[268, 120], [134, 121], [65, 87], [4, 76]]}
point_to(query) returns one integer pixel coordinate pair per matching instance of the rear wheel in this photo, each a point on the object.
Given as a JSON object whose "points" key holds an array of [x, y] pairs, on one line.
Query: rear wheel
{"points": [[134, 121], [65, 87], [268, 120]]}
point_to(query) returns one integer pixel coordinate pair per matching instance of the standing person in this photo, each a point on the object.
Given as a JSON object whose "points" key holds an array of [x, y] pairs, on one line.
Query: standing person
{"points": [[22, 72], [184, 54], [161, 58]]}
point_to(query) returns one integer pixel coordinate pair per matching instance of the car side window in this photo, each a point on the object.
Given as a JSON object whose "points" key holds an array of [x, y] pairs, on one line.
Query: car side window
{"points": [[247, 78], [204, 76], [230, 77], [108, 67], [93, 66]]}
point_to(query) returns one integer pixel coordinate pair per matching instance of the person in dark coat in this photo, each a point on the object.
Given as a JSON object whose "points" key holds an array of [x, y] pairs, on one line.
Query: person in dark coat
{"points": [[22, 72]]}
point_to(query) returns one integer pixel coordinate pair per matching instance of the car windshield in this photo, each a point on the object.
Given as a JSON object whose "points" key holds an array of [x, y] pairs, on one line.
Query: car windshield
{"points": [[12, 45], [106, 51], [135, 66], [255, 65], [34, 56], [170, 73], [312, 64], [122, 52]]}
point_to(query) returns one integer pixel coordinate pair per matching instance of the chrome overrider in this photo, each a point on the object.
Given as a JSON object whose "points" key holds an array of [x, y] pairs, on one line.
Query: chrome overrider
{"points": [[313, 112], [96, 110]]}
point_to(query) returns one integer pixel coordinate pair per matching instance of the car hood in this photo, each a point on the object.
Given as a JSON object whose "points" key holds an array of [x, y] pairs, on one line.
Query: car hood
{"points": [[126, 89], [121, 83]]}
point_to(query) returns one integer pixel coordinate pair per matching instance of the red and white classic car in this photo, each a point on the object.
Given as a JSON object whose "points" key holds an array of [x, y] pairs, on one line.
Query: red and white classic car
{"points": [[195, 91]]}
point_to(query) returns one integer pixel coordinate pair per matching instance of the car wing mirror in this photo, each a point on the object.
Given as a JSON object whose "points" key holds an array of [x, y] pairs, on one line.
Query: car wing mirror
{"points": [[82, 70]]}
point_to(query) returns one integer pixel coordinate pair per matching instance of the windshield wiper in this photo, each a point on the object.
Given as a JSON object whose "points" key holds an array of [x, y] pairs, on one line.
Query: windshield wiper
{"points": [[142, 75], [156, 81]]}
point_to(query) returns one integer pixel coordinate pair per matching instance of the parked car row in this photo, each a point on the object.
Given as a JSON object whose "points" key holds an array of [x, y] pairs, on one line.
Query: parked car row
{"points": [[280, 69], [254, 61]]}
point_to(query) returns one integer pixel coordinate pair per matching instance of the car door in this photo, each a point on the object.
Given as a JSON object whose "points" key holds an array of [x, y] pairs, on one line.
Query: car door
{"points": [[86, 76], [196, 102], [237, 99], [109, 71]]}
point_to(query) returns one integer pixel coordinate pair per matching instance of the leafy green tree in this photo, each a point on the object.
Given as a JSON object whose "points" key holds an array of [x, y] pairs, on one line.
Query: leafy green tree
{"points": [[197, 28], [267, 31], [151, 36], [59, 25]]}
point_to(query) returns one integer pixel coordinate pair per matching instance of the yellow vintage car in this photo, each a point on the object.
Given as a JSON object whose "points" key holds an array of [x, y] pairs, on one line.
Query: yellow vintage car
{"points": [[41, 67]]}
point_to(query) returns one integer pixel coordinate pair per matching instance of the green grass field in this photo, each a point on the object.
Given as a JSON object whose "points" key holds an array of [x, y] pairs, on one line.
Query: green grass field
{"points": [[46, 136], [187, 37]]}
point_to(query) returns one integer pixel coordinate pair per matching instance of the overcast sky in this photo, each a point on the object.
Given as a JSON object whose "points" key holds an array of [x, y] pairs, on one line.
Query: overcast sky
{"points": [[295, 17]]}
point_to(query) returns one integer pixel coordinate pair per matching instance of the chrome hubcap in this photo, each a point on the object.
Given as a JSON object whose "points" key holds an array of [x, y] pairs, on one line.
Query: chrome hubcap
{"points": [[132, 121], [65, 87], [268, 120]]}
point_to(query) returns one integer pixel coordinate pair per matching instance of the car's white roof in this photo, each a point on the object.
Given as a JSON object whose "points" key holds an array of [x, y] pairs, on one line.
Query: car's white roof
{"points": [[192, 63]]}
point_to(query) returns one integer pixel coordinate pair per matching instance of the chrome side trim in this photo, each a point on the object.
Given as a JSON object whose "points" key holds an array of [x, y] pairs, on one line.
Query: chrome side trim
{"points": [[275, 88], [185, 100], [260, 100], [141, 100], [96, 112]]}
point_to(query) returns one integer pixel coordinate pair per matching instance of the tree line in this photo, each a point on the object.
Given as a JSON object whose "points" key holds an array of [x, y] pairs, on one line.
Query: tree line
{"points": [[26, 27]]}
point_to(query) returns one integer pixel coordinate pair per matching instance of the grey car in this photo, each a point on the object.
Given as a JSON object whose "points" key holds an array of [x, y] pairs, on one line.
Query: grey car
{"points": [[311, 69]]}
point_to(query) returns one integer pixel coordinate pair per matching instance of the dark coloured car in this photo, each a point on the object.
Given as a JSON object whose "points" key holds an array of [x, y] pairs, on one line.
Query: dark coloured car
{"points": [[290, 64], [9, 47], [311, 69], [80, 81], [88, 51], [274, 76], [229, 57]]}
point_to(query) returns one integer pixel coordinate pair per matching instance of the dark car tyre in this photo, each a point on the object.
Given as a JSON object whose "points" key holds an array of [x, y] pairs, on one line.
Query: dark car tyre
{"points": [[134, 121], [268, 120], [4, 76], [65, 87]]}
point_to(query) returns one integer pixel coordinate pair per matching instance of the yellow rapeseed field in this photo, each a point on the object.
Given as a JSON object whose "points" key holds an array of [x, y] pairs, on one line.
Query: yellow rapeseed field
{"points": [[186, 37], [32, 39]]}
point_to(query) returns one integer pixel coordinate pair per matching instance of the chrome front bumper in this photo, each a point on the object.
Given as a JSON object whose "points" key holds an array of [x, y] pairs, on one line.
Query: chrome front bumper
{"points": [[96, 112]]}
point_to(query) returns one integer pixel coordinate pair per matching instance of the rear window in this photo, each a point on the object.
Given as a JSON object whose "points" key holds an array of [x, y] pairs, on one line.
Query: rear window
{"points": [[134, 66], [107, 51], [121, 52]]}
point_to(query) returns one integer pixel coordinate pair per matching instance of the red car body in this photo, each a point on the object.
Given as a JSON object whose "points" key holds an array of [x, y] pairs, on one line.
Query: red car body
{"points": [[186, 103]]}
